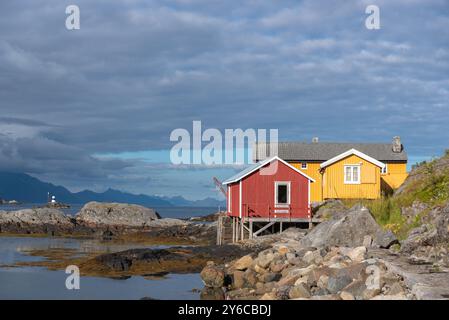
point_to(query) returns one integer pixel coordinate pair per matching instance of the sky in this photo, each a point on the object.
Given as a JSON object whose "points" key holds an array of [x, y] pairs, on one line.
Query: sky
{"points": [[94, 108]]}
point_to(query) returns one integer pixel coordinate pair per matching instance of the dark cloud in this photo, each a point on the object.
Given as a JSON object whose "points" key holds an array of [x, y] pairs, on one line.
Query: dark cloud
{"points": [[139, 69]]}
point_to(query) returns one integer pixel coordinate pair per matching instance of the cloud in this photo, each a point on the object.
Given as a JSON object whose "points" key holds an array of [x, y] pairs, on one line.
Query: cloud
{"points": [[139, 69]]}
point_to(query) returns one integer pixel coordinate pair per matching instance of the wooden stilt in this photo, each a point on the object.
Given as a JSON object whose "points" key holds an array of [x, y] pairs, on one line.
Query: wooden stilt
{"points": [[242, 230], [280, 228], [250, 229]]}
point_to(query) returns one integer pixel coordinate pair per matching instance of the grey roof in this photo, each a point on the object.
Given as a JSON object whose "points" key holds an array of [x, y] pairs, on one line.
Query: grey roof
{"points": [[322, 151]]}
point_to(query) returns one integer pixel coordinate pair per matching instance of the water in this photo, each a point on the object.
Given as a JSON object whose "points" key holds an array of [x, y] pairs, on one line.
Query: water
{"points": [[165, 212], [40, 283]]}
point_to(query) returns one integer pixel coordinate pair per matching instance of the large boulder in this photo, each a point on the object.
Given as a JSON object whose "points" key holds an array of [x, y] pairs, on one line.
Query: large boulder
{"points": [[115, 216], [348, 229], [35, 221], [213, 276]]}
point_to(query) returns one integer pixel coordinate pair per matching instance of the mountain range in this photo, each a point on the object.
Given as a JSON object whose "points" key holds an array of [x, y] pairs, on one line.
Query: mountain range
{"points": [[27, 189]]}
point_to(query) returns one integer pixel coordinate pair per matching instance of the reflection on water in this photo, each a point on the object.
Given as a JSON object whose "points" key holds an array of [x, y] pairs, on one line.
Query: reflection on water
{"points": [[39, 283]]}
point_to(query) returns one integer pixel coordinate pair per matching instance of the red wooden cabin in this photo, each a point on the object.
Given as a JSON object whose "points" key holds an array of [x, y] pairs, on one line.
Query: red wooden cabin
{"points": [[269, 190]]}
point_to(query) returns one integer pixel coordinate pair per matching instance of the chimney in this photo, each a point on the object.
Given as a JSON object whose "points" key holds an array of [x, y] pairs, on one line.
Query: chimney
{"points": [[315, 140], [397, 145]]}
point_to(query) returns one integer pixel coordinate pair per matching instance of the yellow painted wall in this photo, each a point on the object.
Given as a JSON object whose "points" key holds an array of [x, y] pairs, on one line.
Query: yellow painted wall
{"points": [[396, 175], [334, 186], [313, 171]]}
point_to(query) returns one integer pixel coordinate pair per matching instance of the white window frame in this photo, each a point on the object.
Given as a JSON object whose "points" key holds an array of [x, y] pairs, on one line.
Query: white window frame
{"points": [[358, 181], [384, 170], [302, 165], [282, 183]]}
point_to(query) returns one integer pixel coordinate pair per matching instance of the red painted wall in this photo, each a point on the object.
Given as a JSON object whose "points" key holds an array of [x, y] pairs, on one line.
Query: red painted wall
{"points": [[258, 192]]}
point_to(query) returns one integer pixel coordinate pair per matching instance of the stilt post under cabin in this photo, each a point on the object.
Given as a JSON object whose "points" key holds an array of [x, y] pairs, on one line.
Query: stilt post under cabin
{"points": [[250, 229], [242, 230]]}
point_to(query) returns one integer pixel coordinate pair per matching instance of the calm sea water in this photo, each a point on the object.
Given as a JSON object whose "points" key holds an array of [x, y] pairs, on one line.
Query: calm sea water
{"points": [[165, 212], [40, 283]]}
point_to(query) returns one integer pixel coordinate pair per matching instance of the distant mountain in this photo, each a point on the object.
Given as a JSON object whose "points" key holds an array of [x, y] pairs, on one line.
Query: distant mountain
{"points": [[207, 202], [25, 188]]}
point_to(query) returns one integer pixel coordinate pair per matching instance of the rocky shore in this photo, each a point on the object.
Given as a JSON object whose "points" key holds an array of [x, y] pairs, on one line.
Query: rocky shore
{"points": [[107, 221], [348, 257]]}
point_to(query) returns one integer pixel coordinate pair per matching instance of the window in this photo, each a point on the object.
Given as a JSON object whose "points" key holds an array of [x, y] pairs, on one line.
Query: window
{"points": [[384, 170], [352, 174], [282, 193], [303, 165]]}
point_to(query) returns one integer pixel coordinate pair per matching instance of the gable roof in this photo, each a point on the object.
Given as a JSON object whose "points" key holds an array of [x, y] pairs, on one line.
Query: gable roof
{"points": [[323, 151], [349, 153], [256, 166]]}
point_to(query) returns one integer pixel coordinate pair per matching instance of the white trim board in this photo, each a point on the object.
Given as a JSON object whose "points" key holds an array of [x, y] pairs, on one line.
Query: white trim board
{"points": [[263, 163], [349, 153]]}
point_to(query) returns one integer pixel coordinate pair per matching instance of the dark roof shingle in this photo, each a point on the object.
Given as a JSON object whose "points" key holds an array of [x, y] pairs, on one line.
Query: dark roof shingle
{"points": [[322, 151]]}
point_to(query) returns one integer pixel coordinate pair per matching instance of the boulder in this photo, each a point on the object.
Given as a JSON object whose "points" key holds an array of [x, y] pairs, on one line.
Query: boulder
{"points": [[344, 295], [348, 229], [243, 263], [357, 254], [209, 293], [212, 276], [337, 283], [299, 291], [35, 221], [115, 216], [265, 258]]}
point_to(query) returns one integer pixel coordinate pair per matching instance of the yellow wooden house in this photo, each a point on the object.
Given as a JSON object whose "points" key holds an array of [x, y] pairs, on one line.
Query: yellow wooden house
{"points": [[344, 170]]}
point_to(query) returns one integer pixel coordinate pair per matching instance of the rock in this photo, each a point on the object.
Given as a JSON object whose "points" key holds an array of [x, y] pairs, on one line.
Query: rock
{"points": [[323, 282], [243, 263], [268, 296], [326, 297], [356, 289], [348, 229], [278, 266], [299, 291], [209, 293], [390, 297], [311, 257], [250, 278], [357, 254], [115, 216], [282, 292], [367, 241], [370, 293], [385, 239], [36, 221], [329, 209], [259, 269], [283, 250], [270, 277], [265, 258], [212, 276], [337, 283], [344, 295], [396, 289], [238, 279], [262, 288]]}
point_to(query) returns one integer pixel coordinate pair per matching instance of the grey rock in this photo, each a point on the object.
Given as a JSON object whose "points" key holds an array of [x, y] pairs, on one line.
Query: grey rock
{"points": [[115, 215], [348, 229], [299, 291], [336, 284]]}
